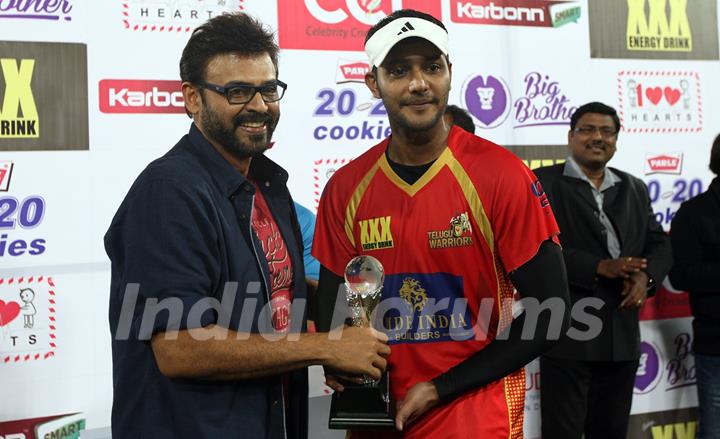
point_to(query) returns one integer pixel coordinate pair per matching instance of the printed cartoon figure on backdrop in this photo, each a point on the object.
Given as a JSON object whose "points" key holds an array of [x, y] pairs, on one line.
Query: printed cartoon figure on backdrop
{"points": [[28, 309]]}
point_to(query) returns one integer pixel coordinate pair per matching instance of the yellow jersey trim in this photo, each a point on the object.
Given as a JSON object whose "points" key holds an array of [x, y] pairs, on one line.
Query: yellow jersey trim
{"points": [[351, 209]]}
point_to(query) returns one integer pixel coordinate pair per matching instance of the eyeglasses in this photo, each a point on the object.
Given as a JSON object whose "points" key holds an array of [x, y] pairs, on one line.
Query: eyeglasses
{"points": [[243, 93], [589, 130]]}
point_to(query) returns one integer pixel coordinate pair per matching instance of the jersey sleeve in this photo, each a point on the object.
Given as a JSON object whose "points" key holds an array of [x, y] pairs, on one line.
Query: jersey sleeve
{"points": [[521, 216], [331, 245]]}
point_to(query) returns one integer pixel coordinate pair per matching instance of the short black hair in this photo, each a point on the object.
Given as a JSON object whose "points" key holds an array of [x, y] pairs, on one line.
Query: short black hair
{"points": [[236, 33], [402, 13], [715, 156], [595, 107], [461, 118]]}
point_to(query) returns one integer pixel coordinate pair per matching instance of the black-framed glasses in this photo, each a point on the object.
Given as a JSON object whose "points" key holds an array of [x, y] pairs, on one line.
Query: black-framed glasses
{"points": [[243, 93], [589, 130]]}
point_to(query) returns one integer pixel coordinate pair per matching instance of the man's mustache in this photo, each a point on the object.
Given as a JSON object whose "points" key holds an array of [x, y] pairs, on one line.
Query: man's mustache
{"points": [[252, 118], [415, 101]]}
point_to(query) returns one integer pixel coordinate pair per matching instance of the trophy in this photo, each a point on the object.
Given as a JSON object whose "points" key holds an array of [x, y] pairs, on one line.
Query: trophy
{"points": [[365, 405]]}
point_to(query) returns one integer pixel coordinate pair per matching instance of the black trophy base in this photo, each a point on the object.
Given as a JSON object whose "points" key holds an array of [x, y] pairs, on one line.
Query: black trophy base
{"points": [[363, 407]]}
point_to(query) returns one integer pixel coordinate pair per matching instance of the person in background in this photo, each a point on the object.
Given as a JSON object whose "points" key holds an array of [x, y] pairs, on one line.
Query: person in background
{"points": [[614, 250], [455, 115], [207, 265], [306, 219], [695, 237]]}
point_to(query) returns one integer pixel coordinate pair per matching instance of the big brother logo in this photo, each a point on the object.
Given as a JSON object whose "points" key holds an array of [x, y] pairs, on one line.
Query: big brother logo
{"points": [[349, 114]]}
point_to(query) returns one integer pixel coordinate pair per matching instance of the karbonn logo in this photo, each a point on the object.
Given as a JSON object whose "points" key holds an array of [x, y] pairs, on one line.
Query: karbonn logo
{"points": [[375, 233], [365, 11], [13, 436], [515, 12], [141, 96], [18, 114], [654, 32]]}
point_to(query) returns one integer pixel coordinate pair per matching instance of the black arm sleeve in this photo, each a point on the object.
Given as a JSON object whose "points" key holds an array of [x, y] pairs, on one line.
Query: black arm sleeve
{"points": [[541, 278], [326, 297]]}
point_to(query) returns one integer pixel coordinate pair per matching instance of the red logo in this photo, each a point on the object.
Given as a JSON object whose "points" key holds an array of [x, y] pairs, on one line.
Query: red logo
{"points": [[337, 24], [6, 168], [349, 71], [141, 96], [664, 164]]}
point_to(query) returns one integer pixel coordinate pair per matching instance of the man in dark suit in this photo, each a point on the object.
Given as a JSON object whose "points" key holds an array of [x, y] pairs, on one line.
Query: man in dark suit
{"points": [[615, 251]]}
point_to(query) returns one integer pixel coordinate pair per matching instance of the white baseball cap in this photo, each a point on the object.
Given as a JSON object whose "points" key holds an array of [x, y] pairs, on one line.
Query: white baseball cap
{"points": [[382, 41]]}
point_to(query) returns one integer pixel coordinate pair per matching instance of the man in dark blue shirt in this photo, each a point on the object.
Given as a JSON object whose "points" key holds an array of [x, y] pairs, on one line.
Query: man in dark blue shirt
{"points": [[207, 293]]}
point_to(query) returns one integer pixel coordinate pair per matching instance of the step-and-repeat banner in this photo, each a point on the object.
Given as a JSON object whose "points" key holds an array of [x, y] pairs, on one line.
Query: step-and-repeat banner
{"points": [[90, 93]]}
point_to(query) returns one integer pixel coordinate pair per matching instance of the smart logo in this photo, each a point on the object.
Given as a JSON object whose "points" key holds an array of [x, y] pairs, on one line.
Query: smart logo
{"points": [[19, 115], [337, 24]]}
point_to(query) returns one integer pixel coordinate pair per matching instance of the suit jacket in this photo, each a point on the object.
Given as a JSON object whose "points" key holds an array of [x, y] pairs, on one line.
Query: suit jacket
{"points": [[696, 249], [584, 244]]}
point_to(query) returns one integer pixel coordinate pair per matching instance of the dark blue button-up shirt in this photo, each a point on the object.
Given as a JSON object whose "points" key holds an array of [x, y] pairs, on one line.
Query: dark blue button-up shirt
{"points": [[181, 237]]}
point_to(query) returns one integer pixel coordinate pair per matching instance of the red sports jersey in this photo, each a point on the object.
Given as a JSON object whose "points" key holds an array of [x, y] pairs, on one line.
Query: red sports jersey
{"points": [[446, 241]]}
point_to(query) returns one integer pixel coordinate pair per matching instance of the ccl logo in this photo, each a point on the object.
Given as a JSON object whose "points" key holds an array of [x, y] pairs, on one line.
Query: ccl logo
{"points": [[18, 97], [365, 11], [337, 24]]}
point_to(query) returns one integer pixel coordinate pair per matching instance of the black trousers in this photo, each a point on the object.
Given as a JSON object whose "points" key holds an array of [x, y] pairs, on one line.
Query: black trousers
{"points": [[591, 397]]}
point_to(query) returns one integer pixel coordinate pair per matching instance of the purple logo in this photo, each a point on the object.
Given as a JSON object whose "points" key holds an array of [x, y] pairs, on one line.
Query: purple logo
{"points": [[36, 10], [543, 103], [487, 100], [648, 374]]}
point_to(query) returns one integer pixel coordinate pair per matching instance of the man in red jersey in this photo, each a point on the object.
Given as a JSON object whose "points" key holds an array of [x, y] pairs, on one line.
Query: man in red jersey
{"points": [[453, 219]]}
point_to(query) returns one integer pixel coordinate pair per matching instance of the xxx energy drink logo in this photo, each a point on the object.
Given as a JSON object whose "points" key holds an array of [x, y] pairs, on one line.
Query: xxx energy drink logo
{"points": [[658, 31], [653, 29], [18, 114]]}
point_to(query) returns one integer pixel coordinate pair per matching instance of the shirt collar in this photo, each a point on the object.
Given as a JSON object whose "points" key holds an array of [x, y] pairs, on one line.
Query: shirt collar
{"points": [[228, 178], [572, 169]]}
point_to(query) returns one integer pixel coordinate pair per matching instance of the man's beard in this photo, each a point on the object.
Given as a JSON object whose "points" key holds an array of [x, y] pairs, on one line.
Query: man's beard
{"points": [[230, 141]]}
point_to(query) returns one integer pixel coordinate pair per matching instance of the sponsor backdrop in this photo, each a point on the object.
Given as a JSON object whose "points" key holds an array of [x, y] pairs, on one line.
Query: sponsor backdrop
{"points": [[89, 94]]}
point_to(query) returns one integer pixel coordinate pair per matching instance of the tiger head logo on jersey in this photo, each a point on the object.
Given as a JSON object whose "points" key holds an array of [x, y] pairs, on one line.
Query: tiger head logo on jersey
{"points": [[460, 224], [413, 293]]}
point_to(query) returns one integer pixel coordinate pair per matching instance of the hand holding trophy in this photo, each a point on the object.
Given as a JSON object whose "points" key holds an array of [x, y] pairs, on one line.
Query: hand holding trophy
{"points": [[365, 405]]}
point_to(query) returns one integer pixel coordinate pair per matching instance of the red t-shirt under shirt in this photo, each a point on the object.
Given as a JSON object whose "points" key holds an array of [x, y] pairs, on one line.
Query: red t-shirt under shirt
{"points": [[278, 259]]}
